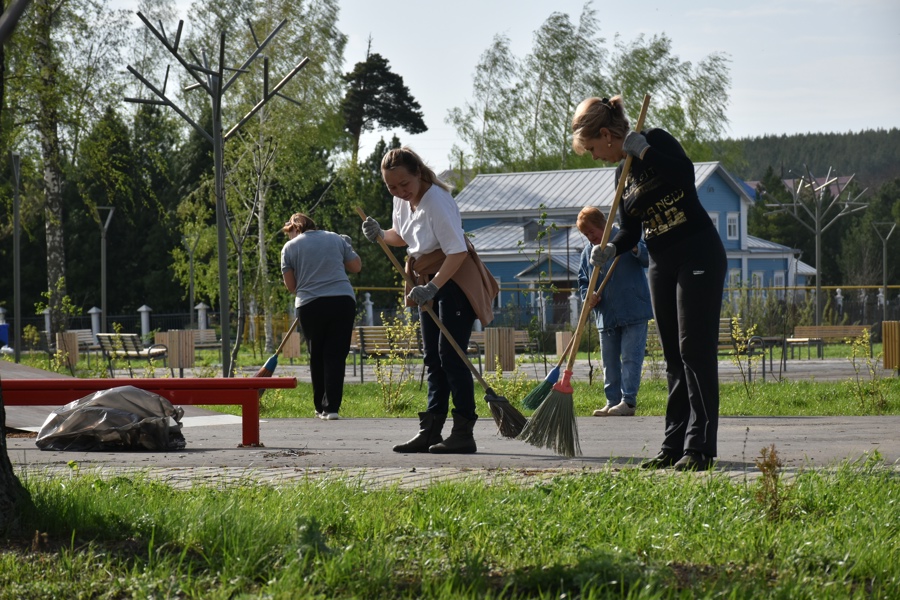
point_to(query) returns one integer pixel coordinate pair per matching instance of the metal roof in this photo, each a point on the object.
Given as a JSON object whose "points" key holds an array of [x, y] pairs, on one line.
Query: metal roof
{"points": [[555, 192], [503, 238], [755, 244]]}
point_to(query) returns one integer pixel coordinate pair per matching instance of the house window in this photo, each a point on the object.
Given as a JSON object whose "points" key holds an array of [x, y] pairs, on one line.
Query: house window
{"points": [[733, 219], [715, 219], [756, 282], [778, 283], [734, 284]]}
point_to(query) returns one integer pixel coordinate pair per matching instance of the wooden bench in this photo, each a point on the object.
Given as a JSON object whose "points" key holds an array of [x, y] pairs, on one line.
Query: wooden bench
{"points": [[372, 341], [242, 391], [206, 338], [726, 339], [521, 339], [818, 335], [128, 346]]}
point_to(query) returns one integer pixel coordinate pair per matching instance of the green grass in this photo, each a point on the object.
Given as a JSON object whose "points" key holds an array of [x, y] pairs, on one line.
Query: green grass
{"points": [[600, 534], [789, 398]]}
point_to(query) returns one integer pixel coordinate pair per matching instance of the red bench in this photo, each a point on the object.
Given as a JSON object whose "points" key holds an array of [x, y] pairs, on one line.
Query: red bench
{"points": [[243, 391]]}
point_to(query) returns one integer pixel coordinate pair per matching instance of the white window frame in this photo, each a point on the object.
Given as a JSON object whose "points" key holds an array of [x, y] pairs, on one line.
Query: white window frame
{"points": [[714, 216], [734, 226], [778, 279]]}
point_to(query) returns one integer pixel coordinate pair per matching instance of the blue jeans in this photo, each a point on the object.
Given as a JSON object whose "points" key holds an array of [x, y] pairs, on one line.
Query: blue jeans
{"points": [[623, 350]]}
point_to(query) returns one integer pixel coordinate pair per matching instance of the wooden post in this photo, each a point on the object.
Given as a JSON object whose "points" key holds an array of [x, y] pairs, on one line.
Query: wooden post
{"points": [[500, 348]]}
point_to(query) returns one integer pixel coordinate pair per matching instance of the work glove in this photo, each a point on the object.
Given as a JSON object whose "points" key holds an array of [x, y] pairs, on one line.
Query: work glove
{"points": [[635, 144], [601, 255], [372, 230], [346, 238], [423, 293]]}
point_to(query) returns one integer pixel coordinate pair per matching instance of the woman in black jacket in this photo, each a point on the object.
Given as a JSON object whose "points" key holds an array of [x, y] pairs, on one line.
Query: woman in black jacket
{"points": [[686, 274]]}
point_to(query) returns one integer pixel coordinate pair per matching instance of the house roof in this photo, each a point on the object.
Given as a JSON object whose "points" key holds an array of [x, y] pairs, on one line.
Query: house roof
{"points": [[503, 238], [557, 192]]}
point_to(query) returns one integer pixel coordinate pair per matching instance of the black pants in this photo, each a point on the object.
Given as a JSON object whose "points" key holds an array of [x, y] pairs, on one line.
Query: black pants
{"points": [[686, 284], [447, 373], [327, 325]]}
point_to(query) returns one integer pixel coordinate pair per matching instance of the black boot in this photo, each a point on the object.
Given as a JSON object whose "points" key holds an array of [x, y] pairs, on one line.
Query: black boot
{"points": [[461, 440], [430, 426]]}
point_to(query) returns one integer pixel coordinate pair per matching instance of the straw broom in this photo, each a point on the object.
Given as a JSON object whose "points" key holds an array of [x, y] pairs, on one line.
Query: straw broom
{"points": [[553, 424], [507, 417], [269, 368], [538, 394]]}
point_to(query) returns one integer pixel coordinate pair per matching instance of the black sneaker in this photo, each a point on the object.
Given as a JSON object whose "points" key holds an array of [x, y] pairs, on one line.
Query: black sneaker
{"points": [[694, 461], [660, 461]]}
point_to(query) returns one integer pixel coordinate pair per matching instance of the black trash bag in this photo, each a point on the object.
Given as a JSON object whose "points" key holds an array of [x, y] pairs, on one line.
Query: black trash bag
{"points": [[120, 418]]}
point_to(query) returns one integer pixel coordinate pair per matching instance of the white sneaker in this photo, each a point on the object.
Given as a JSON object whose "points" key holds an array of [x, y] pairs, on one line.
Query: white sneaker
{"points": [[321, 415], [622, 409], [331, 416], [602, 412]]}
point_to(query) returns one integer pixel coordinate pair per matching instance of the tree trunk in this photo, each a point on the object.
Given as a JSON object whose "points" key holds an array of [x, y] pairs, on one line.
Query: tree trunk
{"points": [[13, 497], [48, 128]]}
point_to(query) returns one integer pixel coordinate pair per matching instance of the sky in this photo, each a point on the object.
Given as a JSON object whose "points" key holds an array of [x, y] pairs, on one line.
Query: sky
{"points": [[803, 66]]}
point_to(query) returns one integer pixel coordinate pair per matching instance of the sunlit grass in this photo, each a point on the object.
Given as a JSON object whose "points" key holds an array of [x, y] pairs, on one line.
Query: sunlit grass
{"points": [[591, 535]]}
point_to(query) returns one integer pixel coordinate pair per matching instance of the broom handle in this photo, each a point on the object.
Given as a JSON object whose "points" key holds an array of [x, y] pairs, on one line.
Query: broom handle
{"points": [[595, 274], [286, 336], [565, 353], [429, 310]]}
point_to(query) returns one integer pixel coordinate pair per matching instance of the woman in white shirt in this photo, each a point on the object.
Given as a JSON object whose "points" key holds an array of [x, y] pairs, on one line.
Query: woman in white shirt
{"points": [[447, 271]]}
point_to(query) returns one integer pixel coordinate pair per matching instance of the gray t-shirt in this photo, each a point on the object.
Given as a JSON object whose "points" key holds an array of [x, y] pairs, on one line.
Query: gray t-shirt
{"points": [[317, 258]]}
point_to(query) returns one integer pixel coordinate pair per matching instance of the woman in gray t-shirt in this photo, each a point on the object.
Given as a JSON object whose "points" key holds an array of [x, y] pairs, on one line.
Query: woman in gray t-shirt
{"points": [[314, 265]]}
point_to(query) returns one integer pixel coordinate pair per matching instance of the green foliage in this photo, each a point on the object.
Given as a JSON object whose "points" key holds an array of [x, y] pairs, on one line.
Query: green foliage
{"points": [[512, 386], [869, 390], [394, 370], [377, 97], [520, 116]]}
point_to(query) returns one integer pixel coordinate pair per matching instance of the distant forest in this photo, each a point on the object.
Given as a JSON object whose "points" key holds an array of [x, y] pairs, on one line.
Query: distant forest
{"points": [[873, 155]]}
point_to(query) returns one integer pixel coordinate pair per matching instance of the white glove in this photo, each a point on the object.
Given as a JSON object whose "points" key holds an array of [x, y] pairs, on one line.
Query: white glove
{"points": [[601, 255], [372, 230], [423, 293], [635, 144]]}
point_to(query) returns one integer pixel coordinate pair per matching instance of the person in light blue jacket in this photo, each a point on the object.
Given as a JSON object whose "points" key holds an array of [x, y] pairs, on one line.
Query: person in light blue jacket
{"points": [[622, 313]]}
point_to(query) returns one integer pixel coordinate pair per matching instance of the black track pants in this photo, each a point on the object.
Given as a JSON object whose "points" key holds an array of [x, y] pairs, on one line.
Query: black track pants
{"points": [[686, 285], [327, 325]]}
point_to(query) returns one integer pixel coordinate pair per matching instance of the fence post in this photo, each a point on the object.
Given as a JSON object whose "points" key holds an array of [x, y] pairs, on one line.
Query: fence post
{"points": [[367, 303], [201, 316], [95, 321], [145, 321]]}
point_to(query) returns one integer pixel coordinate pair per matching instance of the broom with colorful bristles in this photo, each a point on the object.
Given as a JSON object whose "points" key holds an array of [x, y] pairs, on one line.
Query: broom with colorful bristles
{"points": [[553, 424], [269, 368], [538, 394], [507, 417]]}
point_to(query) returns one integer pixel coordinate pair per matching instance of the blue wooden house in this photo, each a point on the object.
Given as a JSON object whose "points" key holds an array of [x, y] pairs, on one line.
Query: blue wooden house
{"points": [[523, 226]]}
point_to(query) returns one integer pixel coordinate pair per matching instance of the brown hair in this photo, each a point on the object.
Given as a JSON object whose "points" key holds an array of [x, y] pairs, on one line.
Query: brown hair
{"points": [[409, 160], [594, 114], [300, 222], [590, 215]]}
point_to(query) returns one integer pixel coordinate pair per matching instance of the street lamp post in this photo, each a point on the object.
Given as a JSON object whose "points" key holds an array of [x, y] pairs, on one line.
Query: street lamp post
{"points": [[884, 241], [191, 247], [104, 227], [17, 271]]}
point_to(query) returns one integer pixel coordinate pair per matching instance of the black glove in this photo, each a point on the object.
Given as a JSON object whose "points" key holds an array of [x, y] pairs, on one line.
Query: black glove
{"points": [[372, 230], [423, 293]]}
